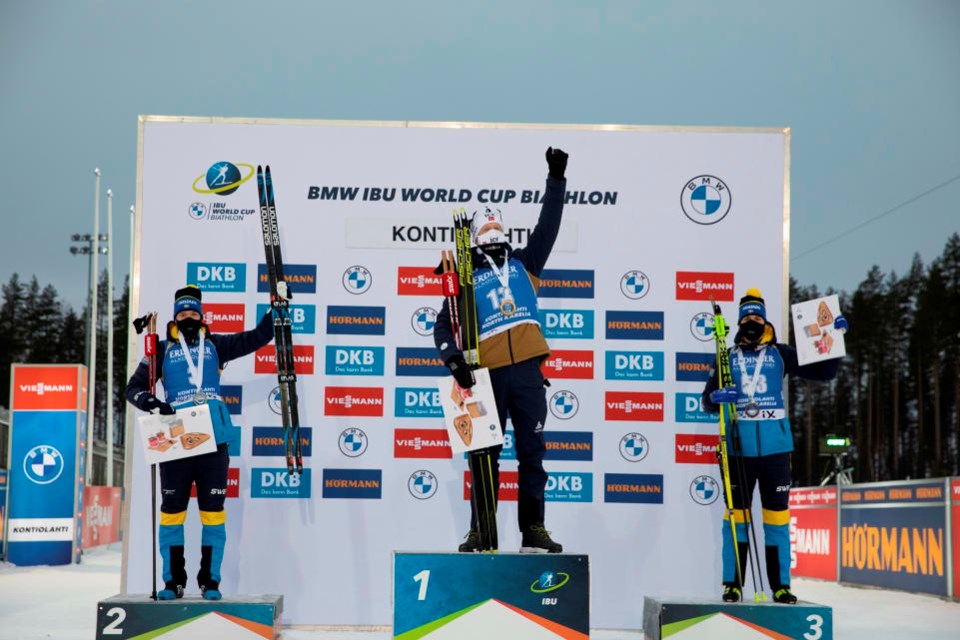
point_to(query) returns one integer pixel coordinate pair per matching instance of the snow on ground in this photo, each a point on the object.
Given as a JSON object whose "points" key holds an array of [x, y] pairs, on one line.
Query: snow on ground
{"points": [[60, 602]]}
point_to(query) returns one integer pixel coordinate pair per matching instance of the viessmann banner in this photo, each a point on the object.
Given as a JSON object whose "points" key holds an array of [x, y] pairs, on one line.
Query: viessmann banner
{"points": [[651, 226]]}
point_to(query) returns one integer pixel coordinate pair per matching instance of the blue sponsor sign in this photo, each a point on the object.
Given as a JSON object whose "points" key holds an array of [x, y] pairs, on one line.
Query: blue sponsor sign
{"points": [[634, 365], [694, 367], [566, 283], [353, 483], [634, 325], [568, 487], [346, 320], [234, 447], [688, 407], [641, 488], [268, 441], [232, 396], [417, 402], [567, 323], [218, 276], [420, 361], [301, 278], [303, 317], [277, 483], [569, 445], [355, 361], [903, 544]]}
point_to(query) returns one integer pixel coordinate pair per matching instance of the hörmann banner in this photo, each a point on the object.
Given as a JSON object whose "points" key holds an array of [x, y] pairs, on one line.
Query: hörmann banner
{"points": [[364, 210], [47, 431]]}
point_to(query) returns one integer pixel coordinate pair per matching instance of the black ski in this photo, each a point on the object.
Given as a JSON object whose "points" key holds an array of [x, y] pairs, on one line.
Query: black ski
{"points": [[280, 295]]}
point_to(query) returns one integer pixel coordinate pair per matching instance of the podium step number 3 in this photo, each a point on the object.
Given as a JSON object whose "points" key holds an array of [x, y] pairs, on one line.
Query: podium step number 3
{"points": [[682, 619]]}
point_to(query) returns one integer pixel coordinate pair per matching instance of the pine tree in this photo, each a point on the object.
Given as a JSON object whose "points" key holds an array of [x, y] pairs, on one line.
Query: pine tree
{"points": [[13, 333]]}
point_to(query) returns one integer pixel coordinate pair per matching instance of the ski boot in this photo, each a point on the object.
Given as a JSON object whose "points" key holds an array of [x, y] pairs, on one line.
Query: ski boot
{"points": [[536, 539], [471, 544], [783, 595], [171, 590], [732, 593]]}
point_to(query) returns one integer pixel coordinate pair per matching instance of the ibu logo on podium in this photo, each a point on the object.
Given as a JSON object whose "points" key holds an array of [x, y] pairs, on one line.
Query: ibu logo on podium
{"points": [[277, 483]]}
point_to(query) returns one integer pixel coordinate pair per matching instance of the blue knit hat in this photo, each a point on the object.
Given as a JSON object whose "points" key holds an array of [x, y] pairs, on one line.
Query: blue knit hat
{"points": [[752, 304], [187, 299]]}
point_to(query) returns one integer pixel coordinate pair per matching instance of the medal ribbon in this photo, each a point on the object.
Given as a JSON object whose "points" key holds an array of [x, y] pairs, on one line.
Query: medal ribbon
{"points": [[196, 370], [503, 275], [741, 361]]}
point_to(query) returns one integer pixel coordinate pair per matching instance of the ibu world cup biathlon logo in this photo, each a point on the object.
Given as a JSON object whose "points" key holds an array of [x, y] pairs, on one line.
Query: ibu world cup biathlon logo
{"points": [[634, 447], [564, 405], [704, 490], [705, 199], [353, 442], [549, 581], [357, 279], [634, 284], [423, 320], [701, 326], [43, 464], [422, 484], [222, 178]]}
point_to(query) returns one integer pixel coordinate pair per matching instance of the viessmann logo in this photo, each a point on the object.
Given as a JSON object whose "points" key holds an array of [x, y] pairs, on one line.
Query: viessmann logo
{"points": [[42, 388], [224, 318], [353, 401], [701, 285], [575, 364], [418, 281], [633, 405], [693, 448], [265, 359], [421, 443], [509, 486]]}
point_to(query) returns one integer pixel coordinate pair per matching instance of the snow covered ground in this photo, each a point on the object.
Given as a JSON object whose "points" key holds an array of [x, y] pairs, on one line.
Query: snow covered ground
{"points": [[60, 603]]}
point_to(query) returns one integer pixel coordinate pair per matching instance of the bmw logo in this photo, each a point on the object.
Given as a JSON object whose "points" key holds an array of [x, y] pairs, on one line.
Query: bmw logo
{"points": [[704, 490], [634, 284], [564, 405], [357, 280], [422, 484], [423, 320], [701, 326], [353, 443], [197, 211], [223, 178], [634, 447], [705, 199], [43, 464], [273, 400]]}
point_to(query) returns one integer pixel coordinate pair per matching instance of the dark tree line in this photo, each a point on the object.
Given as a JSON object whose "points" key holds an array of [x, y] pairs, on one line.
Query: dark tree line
{"points": [[37, 327], [897, 395]]}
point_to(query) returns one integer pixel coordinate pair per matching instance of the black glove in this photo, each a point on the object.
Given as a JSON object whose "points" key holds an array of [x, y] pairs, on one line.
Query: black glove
{"points": [[153, 402], [461, 372], [557, 161]]}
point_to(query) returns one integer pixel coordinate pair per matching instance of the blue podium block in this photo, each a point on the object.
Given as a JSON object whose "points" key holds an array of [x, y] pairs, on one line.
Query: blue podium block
{"points": [[682, 619], [462, 596], [137, 617]]}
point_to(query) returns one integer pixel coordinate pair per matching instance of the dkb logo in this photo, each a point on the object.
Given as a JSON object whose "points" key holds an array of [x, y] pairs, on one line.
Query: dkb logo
{"points": [[218, 276], [561, 323], [354, 361]]}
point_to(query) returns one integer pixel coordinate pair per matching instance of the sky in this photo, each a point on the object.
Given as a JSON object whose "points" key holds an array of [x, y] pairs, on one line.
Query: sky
{"points": [[869, 88]]}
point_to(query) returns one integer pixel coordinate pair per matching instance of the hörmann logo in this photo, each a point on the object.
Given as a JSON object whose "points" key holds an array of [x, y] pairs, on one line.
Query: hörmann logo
{"points": [[569, 445], [566, 283], [301, 278], [223, 317], [569, 364], [270, 441], [567, 323], [232, 396], [343, 320], [353, 484], [218, 276], [353, 401], [418, 281], [417, 402], [421, 443], [694, 367], [693, 448], [420, 361], [634, 325], [638, 406], [265, 359], [509, 486], [303, 317], [640, 488], [634, 365], [701, 285], [354, 361]]}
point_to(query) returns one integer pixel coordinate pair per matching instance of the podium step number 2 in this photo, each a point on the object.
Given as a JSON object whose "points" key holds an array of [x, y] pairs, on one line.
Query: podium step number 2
{"points": [[137, 617]]}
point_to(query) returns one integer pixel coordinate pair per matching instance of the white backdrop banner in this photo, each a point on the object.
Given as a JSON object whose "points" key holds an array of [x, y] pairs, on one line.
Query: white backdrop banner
{"points": [[656, 221]]}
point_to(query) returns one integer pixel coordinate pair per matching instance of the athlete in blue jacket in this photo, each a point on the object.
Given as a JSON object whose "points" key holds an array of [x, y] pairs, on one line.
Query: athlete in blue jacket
{"points": [[189, 380], [759, 364]]}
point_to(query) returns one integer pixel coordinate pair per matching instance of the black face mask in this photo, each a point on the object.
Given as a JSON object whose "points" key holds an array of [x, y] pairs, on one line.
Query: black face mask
{"points": [[190, 328], [752, 331]]}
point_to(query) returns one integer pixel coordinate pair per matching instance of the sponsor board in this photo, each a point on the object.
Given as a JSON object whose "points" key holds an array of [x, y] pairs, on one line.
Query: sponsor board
{"points": [[566, 283], [637, 488], [353, 401], [575, 324], [300, 278], [418, 281], [641, 406], [353, 442], [420, 361], [303, 317], [265, 359], [509, 486], [568, 445], [688, 407], [569, 364], [277, 483], [232, 396], [421, 443], [704, 490], [634, 365], [233, 484], [417, 402], [354, 361], [634, 325], [702, 285], [568, 487], [353, 320], [564, 404], [228, 277], [223, 317], [270, 441], [694, 367], [813, 533], [353, 484], [46, 388], [692, 448]]}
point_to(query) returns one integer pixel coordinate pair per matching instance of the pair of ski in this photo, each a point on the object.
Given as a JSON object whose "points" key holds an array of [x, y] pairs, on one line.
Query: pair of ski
{"points": [[457, 283], [728, 414]]}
